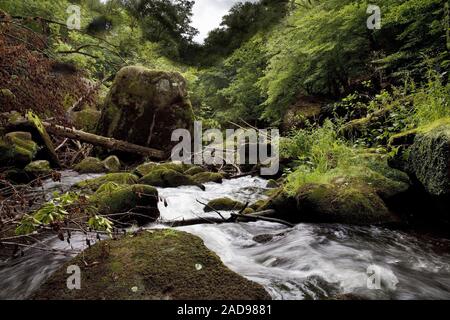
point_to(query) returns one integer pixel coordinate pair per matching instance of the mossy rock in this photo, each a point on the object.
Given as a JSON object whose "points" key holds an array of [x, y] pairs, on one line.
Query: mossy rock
{"points": [[204, 177], [428, 160], [86, 119], [119, 178], [38, 168], [352, 204], [90, 165], [145, 168], [17, 148], [194, 170], [155, 265], [168, 178], [248, 211], [132, 202], [272, 184], [145, 106], [112, 164], [223, 204]]}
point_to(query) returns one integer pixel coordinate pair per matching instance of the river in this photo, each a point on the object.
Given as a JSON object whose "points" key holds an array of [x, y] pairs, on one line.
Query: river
{"points": [[310, 261]]}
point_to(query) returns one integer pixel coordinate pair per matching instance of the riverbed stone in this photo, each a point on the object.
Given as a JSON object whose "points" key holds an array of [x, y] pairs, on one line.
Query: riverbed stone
{"points": [[154, 265], [112, 164], [145, 106], [86, 119], [128, 202], [38, 168], [119, 178], [90, 165], [223, 204], [17, 149], [204, 177], [168, 178]]}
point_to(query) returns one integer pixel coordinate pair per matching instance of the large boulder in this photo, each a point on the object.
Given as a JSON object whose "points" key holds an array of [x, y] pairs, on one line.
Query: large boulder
{"points": [[128, 202], [424, 154], [17, 148], [145, 106], [155, 265], [168, 178]]}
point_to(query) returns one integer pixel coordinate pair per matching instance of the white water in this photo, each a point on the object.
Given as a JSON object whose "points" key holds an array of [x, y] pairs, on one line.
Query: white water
{"points": [[306, 262]]}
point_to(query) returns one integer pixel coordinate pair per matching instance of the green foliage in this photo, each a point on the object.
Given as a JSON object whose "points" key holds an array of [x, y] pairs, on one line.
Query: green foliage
{"points": [[100, 223], [51, 212]]}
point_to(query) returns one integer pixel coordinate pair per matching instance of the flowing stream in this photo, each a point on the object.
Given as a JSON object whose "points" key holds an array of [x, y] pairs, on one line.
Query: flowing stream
{"points": [[309, 261]]}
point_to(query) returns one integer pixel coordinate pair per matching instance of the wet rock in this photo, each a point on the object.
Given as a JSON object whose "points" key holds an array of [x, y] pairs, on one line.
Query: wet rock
{"points": [[145, 168], [223, 204], [118, 178], [263, 238], [204, 177], [424, 154], [38, 168], [86, 119], [112, 164], [128, 202], [168, 178], [17, 149], [194, 170], [145, 106], [90, 165], [155, 265]]}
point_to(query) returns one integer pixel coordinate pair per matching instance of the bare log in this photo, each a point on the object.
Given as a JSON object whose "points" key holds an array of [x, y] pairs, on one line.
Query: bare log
{"points": [[107, 143]]}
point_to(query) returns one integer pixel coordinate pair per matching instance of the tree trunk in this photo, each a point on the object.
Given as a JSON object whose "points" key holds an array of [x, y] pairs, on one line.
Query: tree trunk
{"points": [[107, 143]]}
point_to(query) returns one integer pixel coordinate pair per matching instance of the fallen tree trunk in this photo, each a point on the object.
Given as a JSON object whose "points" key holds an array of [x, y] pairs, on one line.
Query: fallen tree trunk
{"points": [[107, 143], [96, 140], [235, 217]]}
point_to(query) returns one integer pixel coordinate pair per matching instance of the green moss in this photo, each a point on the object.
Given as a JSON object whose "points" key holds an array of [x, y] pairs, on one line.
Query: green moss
{"points": [[112, 164], [161, 264], [258, 204], [90, 165], [223, 204], [119, 178], [248, 211], [38, 168], [194, 170], [17, 148], [168, 178], [145, 168], [142, 200], [350, 204], [86, 119], [204, 177]]}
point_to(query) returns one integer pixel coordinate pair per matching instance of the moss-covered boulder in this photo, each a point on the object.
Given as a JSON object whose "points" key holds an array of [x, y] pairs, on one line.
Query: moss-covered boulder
{"points": [[168, 178], [86, 119], [204, 177], [223, 204], [155, 265], [17, 148], [38, 168], [146, 168], [112, 164], [118, 178], [350, 204], [128, 202], [145, 106], [90, 165], [194, 170], [427, 159]]}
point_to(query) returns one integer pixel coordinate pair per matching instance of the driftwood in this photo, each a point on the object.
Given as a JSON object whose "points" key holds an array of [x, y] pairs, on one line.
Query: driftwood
{"points": [[235, 217], [96, 140], [107, 143]]}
